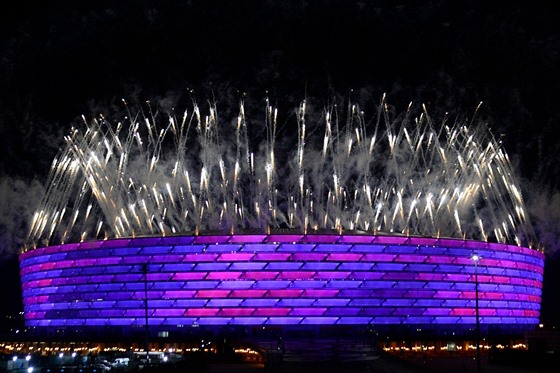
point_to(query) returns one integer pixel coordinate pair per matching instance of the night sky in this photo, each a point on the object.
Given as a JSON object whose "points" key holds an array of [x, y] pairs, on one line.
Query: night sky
{"points": [[64, 59]]}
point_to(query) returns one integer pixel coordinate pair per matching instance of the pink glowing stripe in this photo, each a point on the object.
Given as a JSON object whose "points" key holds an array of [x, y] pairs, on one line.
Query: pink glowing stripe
{"points": [[179, 294], [516, 296], [518, 313], [463, 312], [211, 239], [212, 293], [347, 238], [249, 293], [37, 299], [463, 261], [224, 275], [379, 257], [35, 315], [450, 242], [530, 282], [201, 312], [84, 262], [91, 244], [412, 258], [237, 311], [43, 266], [345, 257], [478, 245], [27, 270], [296, 275], [332, 275], [493, 246], [321, 238], [308, 256], [243, 257], [248, 238], [65, 264], [440, 259], [457, 277], [481, 278], [490, 295], [56, 249], [29, 254], [320, 293], [260, 275], [525, 266], [486, 311], [284, 293], [284, 238], [445, 294], [189, 275], [272, 311], [518, 281], [200, 257], [390, 240], [273, 257], [46, 282], [505, 280], [423, 241], [423, 276], [117, 242]]}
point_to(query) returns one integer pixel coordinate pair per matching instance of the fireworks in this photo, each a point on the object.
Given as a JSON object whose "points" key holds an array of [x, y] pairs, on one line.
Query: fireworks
{"points": [[404, 175]]}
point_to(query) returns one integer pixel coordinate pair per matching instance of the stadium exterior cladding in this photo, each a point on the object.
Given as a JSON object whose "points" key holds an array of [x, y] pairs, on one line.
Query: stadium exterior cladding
{"points": [[287, 280]]}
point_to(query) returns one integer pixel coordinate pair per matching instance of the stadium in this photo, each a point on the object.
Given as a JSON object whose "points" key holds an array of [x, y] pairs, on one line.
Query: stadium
{"points": [[281, 279], [396, 224]]}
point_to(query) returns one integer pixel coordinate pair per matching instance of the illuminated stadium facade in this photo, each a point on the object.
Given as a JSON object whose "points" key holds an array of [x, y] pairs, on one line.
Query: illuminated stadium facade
{"points": [[106, 246], [281, 279]]}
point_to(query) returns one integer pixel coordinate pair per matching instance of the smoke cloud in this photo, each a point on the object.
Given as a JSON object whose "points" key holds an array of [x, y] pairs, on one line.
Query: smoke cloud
{"points": [[18, 201]]}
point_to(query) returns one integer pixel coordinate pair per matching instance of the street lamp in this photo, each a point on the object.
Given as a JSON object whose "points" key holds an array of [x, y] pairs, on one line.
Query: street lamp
{"points": [[145, 272], [475, 258]]}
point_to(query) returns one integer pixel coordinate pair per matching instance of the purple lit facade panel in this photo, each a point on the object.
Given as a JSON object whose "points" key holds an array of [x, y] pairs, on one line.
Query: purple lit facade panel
{"points": [[280, 280]]}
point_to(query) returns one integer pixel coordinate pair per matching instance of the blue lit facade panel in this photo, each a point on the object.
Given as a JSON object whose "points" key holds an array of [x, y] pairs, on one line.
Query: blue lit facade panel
{"points": [[313, 280]]}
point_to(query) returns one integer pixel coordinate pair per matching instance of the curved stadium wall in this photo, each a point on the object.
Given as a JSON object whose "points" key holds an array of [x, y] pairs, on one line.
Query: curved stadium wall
{"points": [[281, 279]]}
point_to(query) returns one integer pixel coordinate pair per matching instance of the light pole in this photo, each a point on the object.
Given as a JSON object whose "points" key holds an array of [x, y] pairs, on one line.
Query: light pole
{"points": [[145, 272], [475, 259]]}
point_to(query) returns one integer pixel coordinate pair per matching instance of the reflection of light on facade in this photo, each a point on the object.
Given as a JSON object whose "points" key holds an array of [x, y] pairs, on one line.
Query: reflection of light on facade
{"points": [[282, 279]]}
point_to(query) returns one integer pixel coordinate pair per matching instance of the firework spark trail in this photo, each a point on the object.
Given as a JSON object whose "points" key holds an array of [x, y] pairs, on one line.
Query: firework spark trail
{"points": [[406, 175]]}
